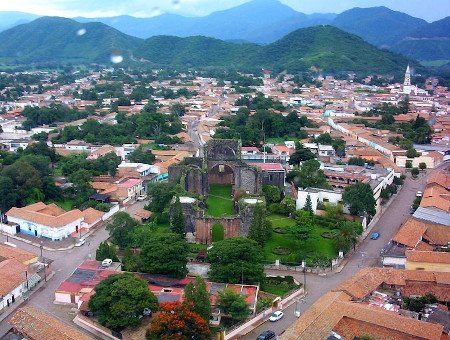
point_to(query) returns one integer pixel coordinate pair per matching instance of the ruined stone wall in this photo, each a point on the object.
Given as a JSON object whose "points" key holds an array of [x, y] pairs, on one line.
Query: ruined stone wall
{"points": [[249, 179], [203, 227], [273, 178], [215, 176], [196, 181], [223, 149]]}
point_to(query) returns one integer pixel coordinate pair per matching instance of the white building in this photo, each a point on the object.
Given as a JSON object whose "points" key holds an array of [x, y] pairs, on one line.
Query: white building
{"points": [[318, 196]]}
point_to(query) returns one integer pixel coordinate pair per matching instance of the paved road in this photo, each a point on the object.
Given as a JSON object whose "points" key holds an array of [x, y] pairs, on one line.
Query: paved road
{"points": [[64, 264], [367, 255]]}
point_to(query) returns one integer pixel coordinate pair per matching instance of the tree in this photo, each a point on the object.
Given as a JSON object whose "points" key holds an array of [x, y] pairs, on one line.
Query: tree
{"points": [[412, 153], [176, 218], [301, 154], [287, 206], [408, 164], [196, 294], [141, 155], [233, 304], [178, 109], [161, 194], [415, 172], [260, 228], [309, 175], [387, 119], [308, 205], [106, 251], [236, 259], [347, 234], [359, 198], [304, 225], [357, 161], [8, 196], [130, 261], [422, 165], [121, 229], [120, 299], [178, 321], [165, 254], [272, 193]]}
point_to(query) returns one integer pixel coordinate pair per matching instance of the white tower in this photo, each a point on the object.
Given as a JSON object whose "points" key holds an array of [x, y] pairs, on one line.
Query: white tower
{"points": [[407, 83]]}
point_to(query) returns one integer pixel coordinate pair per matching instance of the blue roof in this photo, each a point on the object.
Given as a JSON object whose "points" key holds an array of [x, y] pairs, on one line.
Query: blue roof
{"points": [[432, 215]]}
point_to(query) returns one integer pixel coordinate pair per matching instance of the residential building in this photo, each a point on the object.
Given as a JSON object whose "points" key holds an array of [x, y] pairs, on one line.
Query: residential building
{"points": [[318, 197], [32, 323], [369, 304], [49, 221]]}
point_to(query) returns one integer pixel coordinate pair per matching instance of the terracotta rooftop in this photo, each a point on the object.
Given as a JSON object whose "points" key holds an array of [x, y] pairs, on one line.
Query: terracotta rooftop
{"points": [[428, 256], [92, 215], [12, 274], [47, 215], [35, 324], [411, 232], [328, 312], [16, 253], [437, 234]]}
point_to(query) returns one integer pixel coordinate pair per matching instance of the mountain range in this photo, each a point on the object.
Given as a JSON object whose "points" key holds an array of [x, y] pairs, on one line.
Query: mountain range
{"points": [[265, 21], [61, 40]]}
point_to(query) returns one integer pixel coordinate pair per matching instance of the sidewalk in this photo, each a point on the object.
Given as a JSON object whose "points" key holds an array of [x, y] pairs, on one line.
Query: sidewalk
{"points": [[49, 245]]}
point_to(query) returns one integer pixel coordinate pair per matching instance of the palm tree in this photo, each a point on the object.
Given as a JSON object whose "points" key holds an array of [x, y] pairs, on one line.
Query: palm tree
{"points": [[346, 235]]}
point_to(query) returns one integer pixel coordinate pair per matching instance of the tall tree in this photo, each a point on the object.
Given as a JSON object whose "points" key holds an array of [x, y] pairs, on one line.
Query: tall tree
{"points": [[106, 251], [141, 155], [165, 254], [177, 321], [196, 294], [8, 196], [260, 228], [235, 260], [359, 198], [234, 305], [308, 205], [121, 229], [176, 218], [120, 300], [272, 193], [309, 175]]}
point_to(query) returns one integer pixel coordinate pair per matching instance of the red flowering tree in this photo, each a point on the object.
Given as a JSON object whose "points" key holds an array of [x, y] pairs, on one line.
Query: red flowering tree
{"points": [[177, 321]]}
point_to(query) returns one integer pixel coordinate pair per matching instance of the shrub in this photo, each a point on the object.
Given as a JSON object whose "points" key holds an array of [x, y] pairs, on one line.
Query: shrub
{"points": [[281, 251]]}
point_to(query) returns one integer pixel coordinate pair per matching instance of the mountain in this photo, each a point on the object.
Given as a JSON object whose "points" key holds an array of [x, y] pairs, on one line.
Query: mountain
{"points": [[60, 40], [11, 19], [259, 21], [429, 42], [380, 26], [322, 47], [54, 39]]}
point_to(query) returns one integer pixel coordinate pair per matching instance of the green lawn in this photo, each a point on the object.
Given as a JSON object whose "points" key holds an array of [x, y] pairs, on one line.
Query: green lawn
{"points": [[66, 205], [314, 246], [220, 201]]}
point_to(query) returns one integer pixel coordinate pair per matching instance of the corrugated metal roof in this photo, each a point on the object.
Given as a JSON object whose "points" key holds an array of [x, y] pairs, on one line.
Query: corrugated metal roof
{"points": [[432, 215]]}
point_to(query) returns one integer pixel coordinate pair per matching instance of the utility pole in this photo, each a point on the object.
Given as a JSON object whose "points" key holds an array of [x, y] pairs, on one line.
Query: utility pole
{"points": [[304, 274], [242, 273]]}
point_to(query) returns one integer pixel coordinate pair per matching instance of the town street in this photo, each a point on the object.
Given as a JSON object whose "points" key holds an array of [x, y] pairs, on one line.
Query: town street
{"points": [[366, 255]]}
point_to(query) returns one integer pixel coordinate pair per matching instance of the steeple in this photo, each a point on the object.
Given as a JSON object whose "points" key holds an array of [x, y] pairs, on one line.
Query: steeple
{"points": [[407, 88]]}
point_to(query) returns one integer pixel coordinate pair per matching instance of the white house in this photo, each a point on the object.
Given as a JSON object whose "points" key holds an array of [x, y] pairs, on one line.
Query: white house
{"points": [[318, 196], [49, 221]]}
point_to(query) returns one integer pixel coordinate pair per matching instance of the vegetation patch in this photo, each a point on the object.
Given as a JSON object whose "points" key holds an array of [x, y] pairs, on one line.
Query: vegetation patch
{"points": [[281, 251], [279, 285], [217, 232], [330, 234], [220, 201], [280, 230]]}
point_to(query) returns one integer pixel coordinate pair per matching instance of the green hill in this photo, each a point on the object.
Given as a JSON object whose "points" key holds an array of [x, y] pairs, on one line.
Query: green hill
{"points": [[59, 40], [194, 51], [323, 47], [430, 42], [54, 39]]}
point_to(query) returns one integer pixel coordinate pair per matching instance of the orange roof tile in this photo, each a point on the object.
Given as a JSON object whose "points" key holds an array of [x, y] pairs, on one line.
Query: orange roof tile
{"points": [[35, 324], [428, 256], [16, 253], [410, 233], [12, 274], [92, 215]]}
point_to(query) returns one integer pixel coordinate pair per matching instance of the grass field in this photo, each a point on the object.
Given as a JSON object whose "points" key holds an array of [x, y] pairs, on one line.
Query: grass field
{"points": [[219, 202], [315, 245]]}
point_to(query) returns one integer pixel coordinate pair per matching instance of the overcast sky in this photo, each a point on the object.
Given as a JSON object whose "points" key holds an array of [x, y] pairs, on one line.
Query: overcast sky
{"points": [[429, 10]]}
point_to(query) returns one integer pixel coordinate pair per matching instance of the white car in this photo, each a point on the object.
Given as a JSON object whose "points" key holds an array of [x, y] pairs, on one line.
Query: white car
{"points": [[419, 194], [106, 262], [80, 242], [276, 316], [141, 198]]}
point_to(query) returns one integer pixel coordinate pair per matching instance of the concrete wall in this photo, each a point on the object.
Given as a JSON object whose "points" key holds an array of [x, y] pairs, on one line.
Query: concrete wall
{"points": [[434, 267], [28, 227], [17, 292], [429, 161], [394, 262], [316, 197]]}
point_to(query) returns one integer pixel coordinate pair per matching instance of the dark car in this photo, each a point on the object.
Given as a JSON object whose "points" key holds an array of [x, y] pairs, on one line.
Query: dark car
{"points": [[266, 335]]}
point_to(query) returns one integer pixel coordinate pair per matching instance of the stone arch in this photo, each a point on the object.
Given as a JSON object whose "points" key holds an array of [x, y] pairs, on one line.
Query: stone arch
{"points": [[221, 152], [217, 232], [221, 173]]}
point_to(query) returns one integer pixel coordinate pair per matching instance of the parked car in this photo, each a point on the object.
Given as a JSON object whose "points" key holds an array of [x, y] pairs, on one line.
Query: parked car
{"points": [[147, 312], [106, 262], [80, 242], [419, 194], [267, 335], [412, 210], [375, 235], [276, 316], [142, 198]]}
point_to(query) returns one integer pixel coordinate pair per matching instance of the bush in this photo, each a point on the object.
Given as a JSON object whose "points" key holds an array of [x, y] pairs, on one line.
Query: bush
{"points": [[330, 234]]}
